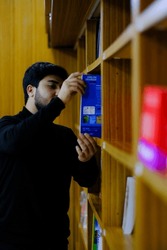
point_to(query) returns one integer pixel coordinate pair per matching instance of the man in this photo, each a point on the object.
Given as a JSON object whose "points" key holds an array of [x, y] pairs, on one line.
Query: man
{"points": [[38, 159]]}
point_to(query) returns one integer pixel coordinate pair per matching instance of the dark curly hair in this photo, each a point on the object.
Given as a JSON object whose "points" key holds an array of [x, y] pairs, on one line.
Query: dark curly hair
{"points": [[37, 71]]}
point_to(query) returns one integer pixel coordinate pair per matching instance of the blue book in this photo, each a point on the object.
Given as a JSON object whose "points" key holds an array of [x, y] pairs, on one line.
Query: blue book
{"points": [[90, 109], [96, 235]]}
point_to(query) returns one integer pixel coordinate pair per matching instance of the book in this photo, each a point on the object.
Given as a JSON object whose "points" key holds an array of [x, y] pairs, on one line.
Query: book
{"points": [[151, 156], [96, 235], [154, 116], [90, 108], [152, 143], [129, 206], [84, 209]]}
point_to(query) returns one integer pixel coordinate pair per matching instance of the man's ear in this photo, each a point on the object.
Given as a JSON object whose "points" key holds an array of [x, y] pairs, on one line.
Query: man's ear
{"points": [[30, 90]]}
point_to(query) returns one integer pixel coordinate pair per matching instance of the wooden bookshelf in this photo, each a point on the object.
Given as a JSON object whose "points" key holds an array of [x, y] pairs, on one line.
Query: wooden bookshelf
{"points": [[132, 54]]}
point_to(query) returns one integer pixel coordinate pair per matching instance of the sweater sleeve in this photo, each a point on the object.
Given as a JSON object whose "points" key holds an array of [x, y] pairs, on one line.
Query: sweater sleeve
{"points": [[87, 173], [16, 131]]}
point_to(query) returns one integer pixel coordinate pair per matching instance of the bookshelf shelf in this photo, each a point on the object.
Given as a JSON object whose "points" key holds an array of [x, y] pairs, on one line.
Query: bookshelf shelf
{"points": [[132, 36], [132, 53], [99, 142], [121, 48], [95, 66], [84, 235], [95, 203], [152, 16], [120, 155], [126, 242], [150, 178]]}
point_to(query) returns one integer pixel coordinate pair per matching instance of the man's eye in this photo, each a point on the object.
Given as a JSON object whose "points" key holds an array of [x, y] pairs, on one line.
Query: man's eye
{"points": [[53, 86]]}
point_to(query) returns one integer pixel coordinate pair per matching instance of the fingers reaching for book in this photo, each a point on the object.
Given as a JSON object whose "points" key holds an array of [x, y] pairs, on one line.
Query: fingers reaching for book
{"points": [[72, 85], [86, 148]]}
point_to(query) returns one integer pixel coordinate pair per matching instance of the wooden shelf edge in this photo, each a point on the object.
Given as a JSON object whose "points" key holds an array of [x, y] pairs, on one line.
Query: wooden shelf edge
{"points": [[95, 66], [89, 14], [120, 155], [151, 16], [125, 242], [156, 181], [121, 45], [76, 126], [95, 203], [84, 234]]}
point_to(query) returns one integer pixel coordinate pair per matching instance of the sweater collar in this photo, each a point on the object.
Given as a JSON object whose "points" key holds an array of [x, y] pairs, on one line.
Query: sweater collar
{"points": [[25, 112]]}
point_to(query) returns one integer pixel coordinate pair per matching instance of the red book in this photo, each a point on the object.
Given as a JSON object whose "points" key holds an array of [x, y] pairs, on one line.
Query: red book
{"points": [[154, 116]]}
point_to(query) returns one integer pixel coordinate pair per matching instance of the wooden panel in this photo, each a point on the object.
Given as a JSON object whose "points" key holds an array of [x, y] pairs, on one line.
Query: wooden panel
{"points": [[117, 103], [67, 20], [91, 41], [23, 42]]}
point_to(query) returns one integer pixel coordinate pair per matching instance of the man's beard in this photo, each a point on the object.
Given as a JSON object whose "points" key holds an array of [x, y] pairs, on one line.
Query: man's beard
{"points": [[38, 101], [39, 106]]}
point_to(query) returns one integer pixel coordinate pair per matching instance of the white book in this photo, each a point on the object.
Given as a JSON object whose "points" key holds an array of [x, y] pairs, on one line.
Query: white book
{"points": [[84, 209], [129, 206]]}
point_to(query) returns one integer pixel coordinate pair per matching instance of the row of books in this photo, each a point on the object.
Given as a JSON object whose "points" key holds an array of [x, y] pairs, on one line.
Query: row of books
{"points": [[90, 122], [96, 229], [128, 214]]}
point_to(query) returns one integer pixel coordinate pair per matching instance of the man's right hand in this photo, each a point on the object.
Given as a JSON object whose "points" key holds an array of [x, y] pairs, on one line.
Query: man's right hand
{"points": [[72, 85]]}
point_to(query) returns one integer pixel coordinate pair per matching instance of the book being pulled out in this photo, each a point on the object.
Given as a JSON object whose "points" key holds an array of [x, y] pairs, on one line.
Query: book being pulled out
{"points": [[90, 108]]}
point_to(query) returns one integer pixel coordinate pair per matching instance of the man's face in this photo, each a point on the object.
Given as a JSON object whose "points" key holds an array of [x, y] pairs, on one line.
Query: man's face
{"points": [[47, 89]]}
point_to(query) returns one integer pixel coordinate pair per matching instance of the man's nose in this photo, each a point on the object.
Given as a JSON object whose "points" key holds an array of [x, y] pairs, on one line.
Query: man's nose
{"points": [[57, 91]]}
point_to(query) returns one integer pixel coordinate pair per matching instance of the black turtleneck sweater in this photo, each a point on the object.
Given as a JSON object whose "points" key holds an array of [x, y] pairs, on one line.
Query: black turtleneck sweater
{"points": [[37, 161]]}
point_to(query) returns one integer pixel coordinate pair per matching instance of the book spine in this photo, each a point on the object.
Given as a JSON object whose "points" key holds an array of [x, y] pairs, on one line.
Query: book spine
{"points": [[129, 206], [84, 209], [96, 235]]}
